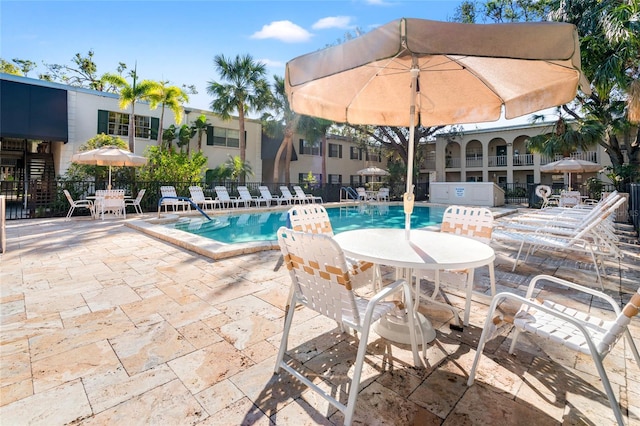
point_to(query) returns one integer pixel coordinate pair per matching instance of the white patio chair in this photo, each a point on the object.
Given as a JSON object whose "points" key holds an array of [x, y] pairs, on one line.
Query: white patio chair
{"points": [[170, 191], [472, 222], [310, 198], [313, 218], [135, 202], [570, 199], [322, 282], [112, 202], [383, 194], [78, 204], [362, 193], [265, 193], [290, 198], [583, 239], [578, 330], [245, 195], [200, 200], [223, 198]]}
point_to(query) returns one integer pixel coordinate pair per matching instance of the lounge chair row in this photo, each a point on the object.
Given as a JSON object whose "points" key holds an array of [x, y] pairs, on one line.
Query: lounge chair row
{"points": [[224, 200]]}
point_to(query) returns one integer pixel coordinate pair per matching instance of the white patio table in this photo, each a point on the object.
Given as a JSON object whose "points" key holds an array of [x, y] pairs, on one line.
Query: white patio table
{"points": [[424, 250]]}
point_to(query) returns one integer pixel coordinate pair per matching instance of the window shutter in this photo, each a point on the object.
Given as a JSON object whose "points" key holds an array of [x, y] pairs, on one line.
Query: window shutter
{"points": [[339, 151], [302, 146], [155, 124], [103, 121], [209, 135]]}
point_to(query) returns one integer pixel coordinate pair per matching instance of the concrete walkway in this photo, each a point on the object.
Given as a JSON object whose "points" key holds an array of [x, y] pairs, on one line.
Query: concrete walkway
{"points": [[102, 324]]}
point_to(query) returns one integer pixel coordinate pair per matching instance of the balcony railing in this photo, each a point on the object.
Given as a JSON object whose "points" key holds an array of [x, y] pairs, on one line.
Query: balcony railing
{"points": [[587, 156], [474, 161], [497, 160], [523, 159]]}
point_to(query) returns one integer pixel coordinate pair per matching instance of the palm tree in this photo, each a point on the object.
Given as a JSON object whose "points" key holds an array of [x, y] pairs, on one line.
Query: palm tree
{"points": [[200, 126], [129, 95], [172, 97], [246, 89], [281, 122]]}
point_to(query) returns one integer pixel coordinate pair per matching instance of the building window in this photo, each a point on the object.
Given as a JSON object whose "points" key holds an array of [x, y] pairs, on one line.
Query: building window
{"points": [[117, 123], [310, 148], [374, 156], [335, 150], [355, 180], [335, 179], [219, 136], [355, 153]]}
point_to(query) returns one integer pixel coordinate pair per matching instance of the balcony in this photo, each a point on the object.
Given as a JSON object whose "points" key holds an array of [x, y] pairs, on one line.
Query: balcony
{"points": [[587, 156]]}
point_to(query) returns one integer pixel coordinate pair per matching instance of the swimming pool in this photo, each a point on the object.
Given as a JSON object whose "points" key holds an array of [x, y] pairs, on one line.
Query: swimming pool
{"points": [[243, 227]]}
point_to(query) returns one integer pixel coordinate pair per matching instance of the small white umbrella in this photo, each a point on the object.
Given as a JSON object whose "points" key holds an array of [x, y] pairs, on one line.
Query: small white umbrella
{"points": [[109, 156], [372, 171], [571, 165]]}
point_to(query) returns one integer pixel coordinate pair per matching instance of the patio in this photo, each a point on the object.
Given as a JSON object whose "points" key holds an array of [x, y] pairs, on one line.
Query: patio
{"points": [[102, 324]]}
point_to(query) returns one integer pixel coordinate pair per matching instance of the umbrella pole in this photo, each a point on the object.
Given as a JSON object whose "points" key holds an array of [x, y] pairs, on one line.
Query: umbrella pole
{"points": [[408, 195], [109, 186]]}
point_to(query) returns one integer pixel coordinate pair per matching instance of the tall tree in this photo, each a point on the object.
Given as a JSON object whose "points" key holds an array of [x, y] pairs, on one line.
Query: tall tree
{"points": [[245, 88], [282, 122], [172, 97], [200, 126], [313, 129], [610, 48], [129, 95]]}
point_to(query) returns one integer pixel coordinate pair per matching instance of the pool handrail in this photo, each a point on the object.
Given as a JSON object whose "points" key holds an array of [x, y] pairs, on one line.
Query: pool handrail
{"points": [[351, 194], [189, 200]]}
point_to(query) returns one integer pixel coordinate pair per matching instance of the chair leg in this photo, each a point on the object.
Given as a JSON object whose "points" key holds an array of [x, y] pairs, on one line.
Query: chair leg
{"points": [[70, 212], [285, 333], [608, 389], [514, 339], [483, 338], [469, 293]]}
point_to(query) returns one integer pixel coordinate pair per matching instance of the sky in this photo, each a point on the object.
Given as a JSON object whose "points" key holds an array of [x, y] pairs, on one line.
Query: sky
{"points": [[176, 41]]}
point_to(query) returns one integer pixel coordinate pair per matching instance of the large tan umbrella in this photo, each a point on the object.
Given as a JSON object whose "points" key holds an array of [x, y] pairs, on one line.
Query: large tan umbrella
{"points": [[571, 165], [109, 156], [415, 71]]}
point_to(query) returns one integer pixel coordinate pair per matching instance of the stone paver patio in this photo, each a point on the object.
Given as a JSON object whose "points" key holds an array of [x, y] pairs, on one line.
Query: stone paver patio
{"points": [[102, 324]]}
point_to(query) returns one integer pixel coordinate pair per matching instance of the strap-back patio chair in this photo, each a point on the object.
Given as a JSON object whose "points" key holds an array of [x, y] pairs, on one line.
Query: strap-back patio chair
{"points": [[322, 282], [574, 328]]}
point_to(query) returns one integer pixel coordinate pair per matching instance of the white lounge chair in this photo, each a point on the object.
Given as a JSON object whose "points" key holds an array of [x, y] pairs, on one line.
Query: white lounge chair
{"points": [[321, 281], [583, 239], [472, 222], [77, 204], [199, 199], [310, 198], [223, 198], [290, 198], [170, 191], [135, 202], [245, 195], [574, 328], [265, 193]]}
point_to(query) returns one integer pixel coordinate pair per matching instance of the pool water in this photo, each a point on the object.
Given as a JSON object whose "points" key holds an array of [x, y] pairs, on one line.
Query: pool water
{"points": [[250, 227]]}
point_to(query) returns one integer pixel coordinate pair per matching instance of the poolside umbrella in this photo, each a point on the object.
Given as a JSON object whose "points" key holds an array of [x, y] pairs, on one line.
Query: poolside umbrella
{"points": [[109, 156], [414, 71], [571, 165], [372, 171]]}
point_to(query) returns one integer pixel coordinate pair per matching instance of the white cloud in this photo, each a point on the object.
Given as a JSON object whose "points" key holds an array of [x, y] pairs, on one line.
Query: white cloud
{"points": [[272, 63], [332, 22], [285, 31]]}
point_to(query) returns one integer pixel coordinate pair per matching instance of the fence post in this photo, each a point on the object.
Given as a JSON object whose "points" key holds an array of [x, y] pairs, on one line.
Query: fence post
{"points": [[3, 233]]}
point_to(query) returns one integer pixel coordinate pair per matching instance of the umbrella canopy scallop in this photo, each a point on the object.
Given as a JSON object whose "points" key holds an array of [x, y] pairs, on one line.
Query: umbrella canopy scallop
{"points": [[111, 156]]}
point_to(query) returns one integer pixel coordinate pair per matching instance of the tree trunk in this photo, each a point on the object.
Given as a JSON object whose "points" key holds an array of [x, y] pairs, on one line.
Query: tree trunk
{"points": [[287, 162], [243, 142], [276, 161], [160, 127], [324, 147], [132, 126]]}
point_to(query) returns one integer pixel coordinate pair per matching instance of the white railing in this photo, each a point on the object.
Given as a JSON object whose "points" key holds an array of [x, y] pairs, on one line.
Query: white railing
{"points": [[587, 156]]}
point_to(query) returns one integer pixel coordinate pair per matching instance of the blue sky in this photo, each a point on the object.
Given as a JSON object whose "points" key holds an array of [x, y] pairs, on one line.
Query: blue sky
{"points": [[176, 41]]}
